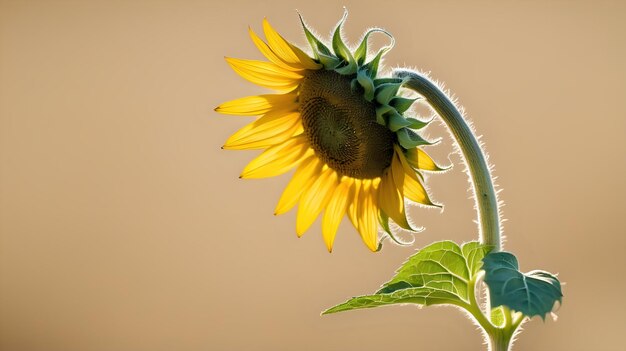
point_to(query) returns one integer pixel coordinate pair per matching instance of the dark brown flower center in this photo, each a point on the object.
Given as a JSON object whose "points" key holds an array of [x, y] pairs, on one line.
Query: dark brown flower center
{"points": [[341, 126]]}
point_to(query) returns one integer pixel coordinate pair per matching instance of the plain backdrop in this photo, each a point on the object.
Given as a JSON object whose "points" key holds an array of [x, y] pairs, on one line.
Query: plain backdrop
{"points": [[124, 226]]}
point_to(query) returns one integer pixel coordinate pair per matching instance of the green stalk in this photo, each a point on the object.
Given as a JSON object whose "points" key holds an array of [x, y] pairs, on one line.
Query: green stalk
{"points": [[500, 340], [480, 176], [484, 193]]}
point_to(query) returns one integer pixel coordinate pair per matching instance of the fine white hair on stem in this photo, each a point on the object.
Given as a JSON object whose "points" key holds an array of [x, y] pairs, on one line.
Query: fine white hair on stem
{"points": [[490, 167]]}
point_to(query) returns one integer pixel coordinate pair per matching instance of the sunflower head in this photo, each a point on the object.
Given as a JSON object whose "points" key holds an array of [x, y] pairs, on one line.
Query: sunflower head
{"points": [[340, 125]]}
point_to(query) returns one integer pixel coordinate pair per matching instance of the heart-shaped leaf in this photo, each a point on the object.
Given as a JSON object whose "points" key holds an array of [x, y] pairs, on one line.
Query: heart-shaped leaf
{"points": [[533, 293]]}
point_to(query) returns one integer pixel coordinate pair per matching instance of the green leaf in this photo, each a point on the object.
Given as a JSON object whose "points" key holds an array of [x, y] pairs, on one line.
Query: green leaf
{"points": [[533, 293], [419, 296], [437, 274]]}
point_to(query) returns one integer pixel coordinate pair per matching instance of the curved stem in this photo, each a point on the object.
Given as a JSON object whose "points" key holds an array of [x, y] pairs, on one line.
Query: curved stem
{"points": [[485, 195]]}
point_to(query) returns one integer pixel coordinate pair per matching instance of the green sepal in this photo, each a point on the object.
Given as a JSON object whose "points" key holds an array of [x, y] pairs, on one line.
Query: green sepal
{"points": [[417, 124], [533, 293], [381, 111], [372, 66], [367, 83], [329, 62], [397, 121], [361, 52], [342, 51], [408, 139], [317, 46], [387, 91], [402, 104], [437, 274], [350, 69]]}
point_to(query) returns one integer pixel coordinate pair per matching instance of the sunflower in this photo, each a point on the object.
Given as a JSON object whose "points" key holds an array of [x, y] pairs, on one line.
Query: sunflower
{"points": [[340, 126]]}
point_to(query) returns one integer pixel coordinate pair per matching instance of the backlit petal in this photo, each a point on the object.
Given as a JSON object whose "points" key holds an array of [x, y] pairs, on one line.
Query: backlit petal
{"points": [[413, 188], [391, 199], [335, 211], [419, 159], [277, 159], [287, 52], [314, 199], [269, 130], [265, 74], [308, 171], [259, 104], [367, 214], [354, 204], [271, 55]]}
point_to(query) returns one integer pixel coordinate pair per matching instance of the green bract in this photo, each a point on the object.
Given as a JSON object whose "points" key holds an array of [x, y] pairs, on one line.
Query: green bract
{"points": [[383, 92]]}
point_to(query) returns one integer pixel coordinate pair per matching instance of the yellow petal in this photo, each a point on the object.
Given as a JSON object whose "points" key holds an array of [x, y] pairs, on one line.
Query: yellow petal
{"points": [[413, 188], [397, 170], [354, 203], [367, 215], [287, 52], [415, 191], [391, 199], [335, 211], [308, 171], [314, 199], [277, 159], [269, 130], [266, 141], [265, 74], [267, 52], [258, 105], [419, 159]]}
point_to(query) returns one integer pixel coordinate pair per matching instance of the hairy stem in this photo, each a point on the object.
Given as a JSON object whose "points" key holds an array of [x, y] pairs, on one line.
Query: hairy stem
{"points": [[485, 195], [500, 340]]}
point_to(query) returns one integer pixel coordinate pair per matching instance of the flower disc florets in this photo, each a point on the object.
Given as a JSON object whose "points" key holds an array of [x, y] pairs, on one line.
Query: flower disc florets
{"points": [[341, 126]]}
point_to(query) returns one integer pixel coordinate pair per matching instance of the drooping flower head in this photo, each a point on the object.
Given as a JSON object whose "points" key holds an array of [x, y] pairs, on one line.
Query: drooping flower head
{"points": [[340, 126]]}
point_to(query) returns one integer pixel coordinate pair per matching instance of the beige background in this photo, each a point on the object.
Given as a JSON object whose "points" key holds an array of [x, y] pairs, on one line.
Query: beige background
{"points": [[123, 225]]}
